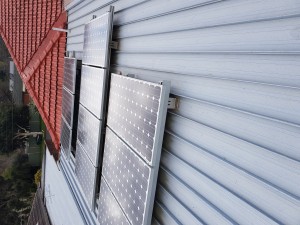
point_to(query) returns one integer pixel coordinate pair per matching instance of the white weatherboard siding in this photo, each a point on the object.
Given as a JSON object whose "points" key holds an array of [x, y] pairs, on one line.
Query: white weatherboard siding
{"points": [[231, 152], [60, 203]]}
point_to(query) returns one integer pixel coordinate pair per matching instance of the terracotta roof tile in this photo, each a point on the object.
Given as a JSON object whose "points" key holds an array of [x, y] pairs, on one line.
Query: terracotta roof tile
{"points": [[38, 52]]}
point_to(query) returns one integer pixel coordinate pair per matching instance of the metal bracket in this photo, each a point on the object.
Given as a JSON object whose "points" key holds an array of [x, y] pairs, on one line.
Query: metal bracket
{"points": [[114, 45], [60, 29], [172, 103]]}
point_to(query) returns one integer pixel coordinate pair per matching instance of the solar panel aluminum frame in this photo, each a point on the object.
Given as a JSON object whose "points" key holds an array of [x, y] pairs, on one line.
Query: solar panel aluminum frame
{"points": [[106, 62], [163, 108], [65, 110], [157, 145], [65, 144], [70, 72], [161, 118]]}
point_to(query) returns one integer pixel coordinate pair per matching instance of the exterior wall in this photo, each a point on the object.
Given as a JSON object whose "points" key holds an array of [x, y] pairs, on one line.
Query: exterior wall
{"points": [[60, 203], [231, 150]]}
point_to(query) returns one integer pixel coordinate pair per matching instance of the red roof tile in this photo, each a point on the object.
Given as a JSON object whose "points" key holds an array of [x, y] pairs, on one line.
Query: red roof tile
{"points": [[38, 52]]}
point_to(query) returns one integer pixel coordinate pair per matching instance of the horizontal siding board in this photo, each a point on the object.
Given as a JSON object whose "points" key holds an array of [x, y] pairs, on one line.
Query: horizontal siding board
{"points": [[211, 15], [75, 47], [190, 199], [163, 216], [274, 35], [154, 222], [225, 200], [271, 69], [76, 15], [269, 134], [97, 8], [263, 196], [183, 215], [155, 8], [78, 6], [273, 168], [152, 8]]}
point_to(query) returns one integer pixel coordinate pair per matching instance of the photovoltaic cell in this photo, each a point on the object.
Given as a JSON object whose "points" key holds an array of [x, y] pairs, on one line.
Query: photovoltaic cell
{"points": [[65, 138], [85, 173], [92, 89], [70, 74], [128, 177], [133, 113], [109, 210], [67, 106], [97, 40], [88, 133]]}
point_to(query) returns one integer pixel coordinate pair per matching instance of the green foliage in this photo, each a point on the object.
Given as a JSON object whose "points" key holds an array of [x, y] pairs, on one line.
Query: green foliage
{"points": [[7, 174], [37, 177], [16, 194]]}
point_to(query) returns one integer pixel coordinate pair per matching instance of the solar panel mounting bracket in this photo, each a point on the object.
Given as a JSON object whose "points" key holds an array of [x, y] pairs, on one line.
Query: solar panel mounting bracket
{"points": [[60, 29], [173, 103], [114, 45]]}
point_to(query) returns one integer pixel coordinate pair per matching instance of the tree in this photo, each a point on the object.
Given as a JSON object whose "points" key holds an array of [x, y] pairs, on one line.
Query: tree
{"points": [[16, 193], [3, 76], [24, 134], [11, 118]]}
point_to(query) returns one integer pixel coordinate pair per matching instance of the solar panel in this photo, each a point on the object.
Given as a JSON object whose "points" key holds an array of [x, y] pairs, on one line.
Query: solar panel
{"points": [[97, 35], [133, 113], [109, 210], [135, 126], [67, 106], [88, 133], [65, 138], [93, 82], [128, 176], [85, 173], [70, 74]]}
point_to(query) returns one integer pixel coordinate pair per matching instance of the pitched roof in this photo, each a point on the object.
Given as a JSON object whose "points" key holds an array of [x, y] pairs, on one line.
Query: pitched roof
{"points": [[38, 52]]}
